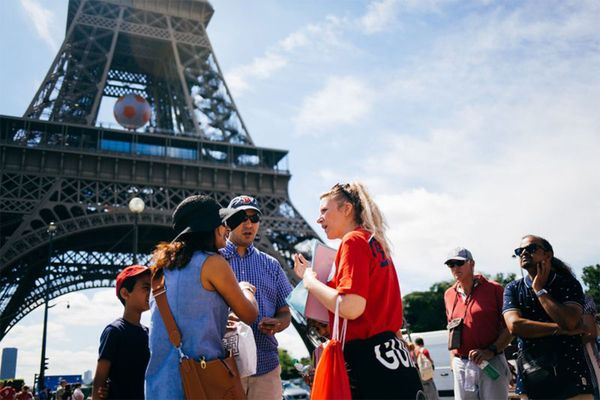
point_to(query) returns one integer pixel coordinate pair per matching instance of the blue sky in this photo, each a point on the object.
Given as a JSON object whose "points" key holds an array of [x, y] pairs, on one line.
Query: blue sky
{"points": [[472, 123]]}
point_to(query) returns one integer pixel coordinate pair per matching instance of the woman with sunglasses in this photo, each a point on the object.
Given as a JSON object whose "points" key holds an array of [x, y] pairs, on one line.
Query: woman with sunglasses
{"points": [[379, 365]]}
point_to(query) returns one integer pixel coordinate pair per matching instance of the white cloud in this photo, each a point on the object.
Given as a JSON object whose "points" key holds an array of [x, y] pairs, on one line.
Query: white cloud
{"points": [[290, 340], [327, 175], [380, 16], [489, 204], [260, 68], [413, 215], [385, 15], [321, 38], [294, 40], [41, 19], [527, 180], [91, 310], [343, 100], [329, 34], [315, 38], [493, 137]]}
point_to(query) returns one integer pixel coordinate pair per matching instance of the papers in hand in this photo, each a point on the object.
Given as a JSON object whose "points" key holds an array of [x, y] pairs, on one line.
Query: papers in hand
{"points": [[323, 258]]}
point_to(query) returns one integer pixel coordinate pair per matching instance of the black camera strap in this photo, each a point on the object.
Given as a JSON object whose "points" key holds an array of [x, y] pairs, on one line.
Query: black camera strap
{"points": [[467, 300]]}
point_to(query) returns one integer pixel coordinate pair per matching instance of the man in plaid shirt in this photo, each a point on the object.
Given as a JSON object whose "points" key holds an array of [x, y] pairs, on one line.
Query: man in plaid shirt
{"points": [[272, 287]]}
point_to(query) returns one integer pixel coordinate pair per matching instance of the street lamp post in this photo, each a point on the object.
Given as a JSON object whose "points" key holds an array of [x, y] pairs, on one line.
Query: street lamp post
{"points": [[51, 232], [136, 206]]}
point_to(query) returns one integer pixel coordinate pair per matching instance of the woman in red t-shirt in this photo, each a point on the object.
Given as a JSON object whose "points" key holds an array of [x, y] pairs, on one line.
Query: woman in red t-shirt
{"points": [[379, 365]]}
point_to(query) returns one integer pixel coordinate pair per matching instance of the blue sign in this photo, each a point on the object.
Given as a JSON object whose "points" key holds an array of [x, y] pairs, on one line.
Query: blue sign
{"points": [[52, 381]]}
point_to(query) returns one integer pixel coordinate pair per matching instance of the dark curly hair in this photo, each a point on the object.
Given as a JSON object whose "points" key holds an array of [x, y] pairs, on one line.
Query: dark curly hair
{"points": [[557, 264]]}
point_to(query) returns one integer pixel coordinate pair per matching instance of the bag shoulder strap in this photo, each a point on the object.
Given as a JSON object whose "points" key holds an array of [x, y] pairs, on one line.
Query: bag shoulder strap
{"points": [[159, 292], [336, 334]]}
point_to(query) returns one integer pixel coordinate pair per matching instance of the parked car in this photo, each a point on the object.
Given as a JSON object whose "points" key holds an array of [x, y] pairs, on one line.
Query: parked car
{"points": [[300, 383], [294, 392]]}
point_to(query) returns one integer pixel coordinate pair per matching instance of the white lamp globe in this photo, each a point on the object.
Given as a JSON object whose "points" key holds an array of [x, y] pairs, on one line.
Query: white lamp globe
{"points": [[136, 205]]}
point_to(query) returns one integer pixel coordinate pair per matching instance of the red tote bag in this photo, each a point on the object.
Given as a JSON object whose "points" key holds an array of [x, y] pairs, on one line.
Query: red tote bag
{"points": [[331, 378]]}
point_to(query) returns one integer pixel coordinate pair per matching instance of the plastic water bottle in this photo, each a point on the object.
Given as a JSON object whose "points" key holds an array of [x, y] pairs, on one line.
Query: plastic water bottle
{"points": [[489, 369], [471, 376]]}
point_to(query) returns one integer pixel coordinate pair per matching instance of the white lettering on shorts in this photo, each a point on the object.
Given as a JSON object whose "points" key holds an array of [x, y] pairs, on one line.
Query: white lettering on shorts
{"points": [[393, 353]]}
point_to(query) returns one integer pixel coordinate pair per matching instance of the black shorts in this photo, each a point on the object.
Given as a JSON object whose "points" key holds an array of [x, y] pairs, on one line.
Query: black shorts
{"points": [[381, 367]]}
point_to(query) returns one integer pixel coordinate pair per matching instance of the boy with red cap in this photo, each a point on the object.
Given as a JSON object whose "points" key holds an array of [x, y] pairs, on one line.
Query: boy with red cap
{"points": [[124, 351]]}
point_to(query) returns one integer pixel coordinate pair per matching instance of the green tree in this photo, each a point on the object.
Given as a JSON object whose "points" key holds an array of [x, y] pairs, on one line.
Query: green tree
{"points": [[591, 278], [288, 371], [424, 311], [503, 279], [305, 361]]}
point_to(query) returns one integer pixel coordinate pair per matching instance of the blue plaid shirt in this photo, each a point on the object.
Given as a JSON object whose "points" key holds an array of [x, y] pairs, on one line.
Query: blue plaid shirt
{"points": [[272, 287]]}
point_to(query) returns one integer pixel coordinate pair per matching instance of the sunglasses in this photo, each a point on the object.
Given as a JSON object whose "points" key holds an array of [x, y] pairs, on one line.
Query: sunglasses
{"points": [[253, 218], [455, 263], [532, 248]]}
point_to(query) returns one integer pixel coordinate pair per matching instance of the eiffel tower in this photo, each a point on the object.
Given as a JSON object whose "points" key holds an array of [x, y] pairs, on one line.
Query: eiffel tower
{"points": [[60, 165]]}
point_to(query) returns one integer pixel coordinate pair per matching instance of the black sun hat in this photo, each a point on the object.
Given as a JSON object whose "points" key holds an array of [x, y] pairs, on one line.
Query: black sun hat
{"points": [[199, 213]]}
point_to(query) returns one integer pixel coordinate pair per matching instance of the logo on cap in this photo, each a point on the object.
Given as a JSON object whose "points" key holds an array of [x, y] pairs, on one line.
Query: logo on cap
{"points": [[244, 203]]}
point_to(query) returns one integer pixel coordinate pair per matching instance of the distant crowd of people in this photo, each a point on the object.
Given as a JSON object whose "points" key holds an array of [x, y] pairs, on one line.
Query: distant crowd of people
{"points": [[64, 391], [9, 392], [211, 276]]}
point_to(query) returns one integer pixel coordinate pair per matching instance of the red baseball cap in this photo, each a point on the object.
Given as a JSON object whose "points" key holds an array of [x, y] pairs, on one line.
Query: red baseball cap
{"points": [[132, 270]]}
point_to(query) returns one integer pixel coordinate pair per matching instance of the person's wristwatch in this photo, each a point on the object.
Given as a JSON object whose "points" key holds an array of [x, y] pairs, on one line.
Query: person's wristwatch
{"points": [[541, 292], [493, 348]]}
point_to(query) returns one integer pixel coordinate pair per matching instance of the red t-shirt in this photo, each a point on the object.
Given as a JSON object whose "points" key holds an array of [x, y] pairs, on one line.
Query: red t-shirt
{"points": [[483, 319], [363, 269]]}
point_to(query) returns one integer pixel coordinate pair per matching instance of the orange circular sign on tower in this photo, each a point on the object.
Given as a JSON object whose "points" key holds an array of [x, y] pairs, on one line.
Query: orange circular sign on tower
{"points": [[132, 111]]}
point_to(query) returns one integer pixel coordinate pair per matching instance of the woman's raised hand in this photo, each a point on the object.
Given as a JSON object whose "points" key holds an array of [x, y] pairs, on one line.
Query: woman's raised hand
{"points": [[304, 271], [300, 265]]}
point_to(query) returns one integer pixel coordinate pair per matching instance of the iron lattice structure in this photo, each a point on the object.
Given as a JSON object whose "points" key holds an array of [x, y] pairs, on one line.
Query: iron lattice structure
{"points": [[59, 163]]}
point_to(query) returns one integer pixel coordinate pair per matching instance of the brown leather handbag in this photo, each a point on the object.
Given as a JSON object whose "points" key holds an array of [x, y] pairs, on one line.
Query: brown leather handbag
{"points": [[215, 379]]}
